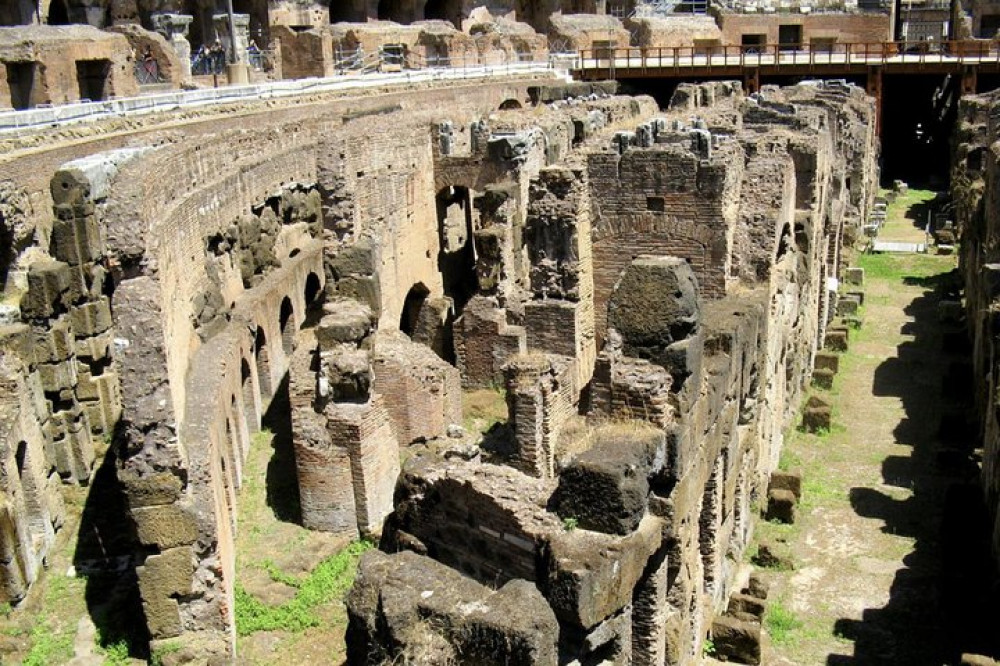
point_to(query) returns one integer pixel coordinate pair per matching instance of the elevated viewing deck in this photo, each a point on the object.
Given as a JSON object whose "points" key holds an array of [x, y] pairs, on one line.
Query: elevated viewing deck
{"points": [[785, 59]]}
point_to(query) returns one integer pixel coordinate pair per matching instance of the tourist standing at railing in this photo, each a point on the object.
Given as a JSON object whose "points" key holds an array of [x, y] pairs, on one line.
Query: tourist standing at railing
{"points": [[254, 56], [218, 57]]}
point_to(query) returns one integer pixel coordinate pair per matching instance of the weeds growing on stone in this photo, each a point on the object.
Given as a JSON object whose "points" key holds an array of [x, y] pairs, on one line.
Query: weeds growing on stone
{"points": [[327, 582]]}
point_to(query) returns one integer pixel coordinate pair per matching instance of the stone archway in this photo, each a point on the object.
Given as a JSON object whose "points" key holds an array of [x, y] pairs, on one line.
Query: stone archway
{"points": [[286, 323]]}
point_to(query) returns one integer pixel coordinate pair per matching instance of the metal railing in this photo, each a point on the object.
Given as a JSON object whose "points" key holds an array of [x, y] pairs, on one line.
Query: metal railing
{"points": [[48, 116], [214, 62], [973, 52], [396, 60]]}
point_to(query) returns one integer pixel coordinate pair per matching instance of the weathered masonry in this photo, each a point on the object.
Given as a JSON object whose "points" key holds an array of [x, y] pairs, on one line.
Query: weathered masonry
{"points": [[649, 287]]}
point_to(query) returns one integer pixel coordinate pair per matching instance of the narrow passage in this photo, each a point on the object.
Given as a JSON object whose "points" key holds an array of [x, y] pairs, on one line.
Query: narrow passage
{"points": [[888, 557]]}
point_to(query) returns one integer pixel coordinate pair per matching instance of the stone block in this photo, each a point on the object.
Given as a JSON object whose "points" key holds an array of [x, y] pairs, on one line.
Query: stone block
{"points": [[847, 307], [822, 378], [606, 488], [344, 321], [96, 347], [345, 375], [591, 575], [854, 275], [77, 240], [363, 288], [409, 604], [54, 342], [359, 258], [855, 294], [836, 339], [790, 481], [163, 578], [654, 305], [827, 361], [150, 489], [736, 640], [17, 339], [57, 377], [749, 604], [165, 526], [48, 281], [90, 319], [817, 415], [780, 506], [756, 587]]}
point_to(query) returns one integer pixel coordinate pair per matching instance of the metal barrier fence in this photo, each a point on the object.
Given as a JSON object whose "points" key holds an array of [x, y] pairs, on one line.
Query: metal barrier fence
{"points": [[49, 116]]}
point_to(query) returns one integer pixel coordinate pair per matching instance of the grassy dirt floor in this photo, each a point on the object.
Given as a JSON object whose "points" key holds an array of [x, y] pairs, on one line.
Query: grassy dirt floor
{"points": [[292, 581], [84, 608], [873, 577]]}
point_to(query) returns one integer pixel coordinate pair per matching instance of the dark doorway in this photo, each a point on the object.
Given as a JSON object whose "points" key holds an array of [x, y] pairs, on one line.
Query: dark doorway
{"points": [[753, 43], [312, 288], [286, 322], [21, 80], [509, 104], [92, 75], [444, 10], [263, 365], [346, 11], [58, 13], [400, 11], [411, 308], [457, 257], [988, 26], [918, 114], [790, 37]]}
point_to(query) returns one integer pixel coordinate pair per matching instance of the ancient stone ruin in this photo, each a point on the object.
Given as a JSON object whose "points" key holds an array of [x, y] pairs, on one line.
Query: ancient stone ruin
{"points": [[648, 287]]}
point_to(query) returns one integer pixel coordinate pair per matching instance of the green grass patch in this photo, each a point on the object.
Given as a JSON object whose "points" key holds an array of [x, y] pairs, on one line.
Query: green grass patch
{"points": [[48, 647], [329, 581], [781, 623]]}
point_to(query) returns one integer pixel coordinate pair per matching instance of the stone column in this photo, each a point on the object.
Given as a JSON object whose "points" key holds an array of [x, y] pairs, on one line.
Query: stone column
{"points": [[242, 36], [175, 28], [237, 72]]}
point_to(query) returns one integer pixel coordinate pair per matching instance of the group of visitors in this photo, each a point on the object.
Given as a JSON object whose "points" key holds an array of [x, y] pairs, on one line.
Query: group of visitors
{"points": [[212, 60]]}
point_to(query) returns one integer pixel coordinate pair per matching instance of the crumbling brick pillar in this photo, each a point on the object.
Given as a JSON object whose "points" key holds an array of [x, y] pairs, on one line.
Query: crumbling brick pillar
{"points": [[346, 454], [540, 398], [559, 318]]}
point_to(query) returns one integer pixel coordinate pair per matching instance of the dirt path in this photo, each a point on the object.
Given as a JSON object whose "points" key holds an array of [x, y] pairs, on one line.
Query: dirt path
{"points": [[868, 585]]}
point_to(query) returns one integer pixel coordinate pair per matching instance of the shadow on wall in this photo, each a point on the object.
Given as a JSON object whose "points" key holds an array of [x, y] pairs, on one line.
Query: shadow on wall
{"points": [[105, 554], [282, 482], [941, 601]]}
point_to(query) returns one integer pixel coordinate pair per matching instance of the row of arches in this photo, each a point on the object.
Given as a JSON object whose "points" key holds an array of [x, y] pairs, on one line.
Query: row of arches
{"points": [[258, 396], [400, 11]]}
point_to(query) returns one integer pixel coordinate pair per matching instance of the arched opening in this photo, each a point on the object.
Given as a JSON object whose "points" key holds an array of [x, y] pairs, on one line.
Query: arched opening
{"points": [[263, 365], [457, 257], [286, 323], [509, 104], [6, 250], [312, 288], [21, 457], [249, 399], [347, 11], [400, 11], [445, 10], [411, 308], [58, 13]]}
